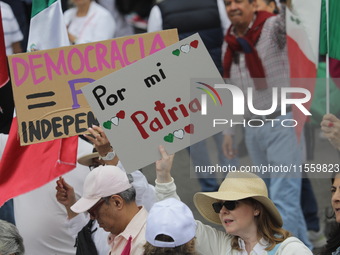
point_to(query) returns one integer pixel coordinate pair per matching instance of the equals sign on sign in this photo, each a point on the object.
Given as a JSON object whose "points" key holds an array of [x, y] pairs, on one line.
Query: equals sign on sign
{"points": [[41, 95]]}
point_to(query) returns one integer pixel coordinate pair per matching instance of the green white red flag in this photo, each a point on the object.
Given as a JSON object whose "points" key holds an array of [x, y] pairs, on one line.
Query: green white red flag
{"points": [[47, 29], [303, 29]]}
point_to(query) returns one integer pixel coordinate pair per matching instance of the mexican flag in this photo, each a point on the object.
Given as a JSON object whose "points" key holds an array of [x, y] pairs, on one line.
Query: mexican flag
{"points": [[331, 39], [303, 29], [47, 29], [333, 26], [329, 47]]}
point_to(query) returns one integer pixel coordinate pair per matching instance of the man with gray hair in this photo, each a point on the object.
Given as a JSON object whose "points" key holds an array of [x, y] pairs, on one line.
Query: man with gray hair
{"points": [[11, 241], [109, 198]]}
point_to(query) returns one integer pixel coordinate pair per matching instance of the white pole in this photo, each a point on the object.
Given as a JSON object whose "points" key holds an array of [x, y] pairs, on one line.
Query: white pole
{"points": [[327, 59]]}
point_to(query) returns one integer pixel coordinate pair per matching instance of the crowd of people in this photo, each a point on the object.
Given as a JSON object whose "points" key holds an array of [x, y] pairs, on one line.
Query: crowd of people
{"points": [[98, 208]]}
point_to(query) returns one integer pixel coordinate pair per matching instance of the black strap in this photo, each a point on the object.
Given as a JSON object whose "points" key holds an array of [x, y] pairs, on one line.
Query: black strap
{"points": [[84, 241]]}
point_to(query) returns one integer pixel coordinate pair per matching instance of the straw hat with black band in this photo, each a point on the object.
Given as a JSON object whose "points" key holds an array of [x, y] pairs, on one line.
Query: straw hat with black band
{"points": [[86, 160], [236, 186]]}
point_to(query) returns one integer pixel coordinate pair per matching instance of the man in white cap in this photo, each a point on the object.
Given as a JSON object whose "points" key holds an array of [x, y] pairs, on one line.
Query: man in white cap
{"points": [[110, 199], [145, 193]]}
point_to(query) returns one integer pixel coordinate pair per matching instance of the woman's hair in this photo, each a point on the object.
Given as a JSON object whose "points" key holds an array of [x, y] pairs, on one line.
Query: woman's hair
{"points": [[267, 228], [333, 177], [185, 249], [334, 237], [334, 240], [10, 240]]}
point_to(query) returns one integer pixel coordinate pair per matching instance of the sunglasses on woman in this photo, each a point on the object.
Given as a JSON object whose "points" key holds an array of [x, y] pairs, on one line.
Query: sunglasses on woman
{"points": [[229, 205]]}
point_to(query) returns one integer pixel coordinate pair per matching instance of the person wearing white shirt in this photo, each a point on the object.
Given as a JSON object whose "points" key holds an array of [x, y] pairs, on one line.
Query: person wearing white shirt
{"points": [[251, 221], [123, 27], [209, 19], [41, 219], [89, 22], [12, 32], [145, 193]]}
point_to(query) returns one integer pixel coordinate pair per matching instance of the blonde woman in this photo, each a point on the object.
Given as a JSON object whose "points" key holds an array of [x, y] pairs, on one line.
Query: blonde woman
{"points": [[251, 221]]}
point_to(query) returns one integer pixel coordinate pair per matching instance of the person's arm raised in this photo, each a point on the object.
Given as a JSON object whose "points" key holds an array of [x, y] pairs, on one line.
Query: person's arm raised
{"points": [[165, 185], [101, 142], [66, 196], [163, 166]]}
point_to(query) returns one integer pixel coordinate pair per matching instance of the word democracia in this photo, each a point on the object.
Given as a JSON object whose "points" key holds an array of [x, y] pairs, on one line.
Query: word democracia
{"points": [[93, 58]]}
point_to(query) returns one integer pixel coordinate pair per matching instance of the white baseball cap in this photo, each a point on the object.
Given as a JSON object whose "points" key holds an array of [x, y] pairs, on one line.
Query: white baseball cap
{"points": [[173, 218], [103, 181]]}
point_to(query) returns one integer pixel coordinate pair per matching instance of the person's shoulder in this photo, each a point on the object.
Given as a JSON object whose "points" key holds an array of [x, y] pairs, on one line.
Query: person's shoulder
{"points": [[212, 241], [6, 10], [103, 14], [292, 240], [142, 213], [211, 231], [100, 8], [293, 245], [70, 12], [271, 25], [4, 6], [271, 20]]}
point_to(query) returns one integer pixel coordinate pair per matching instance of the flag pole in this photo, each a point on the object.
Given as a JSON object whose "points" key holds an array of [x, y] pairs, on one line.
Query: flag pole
{"points": [[4, 77], [327, 59]]}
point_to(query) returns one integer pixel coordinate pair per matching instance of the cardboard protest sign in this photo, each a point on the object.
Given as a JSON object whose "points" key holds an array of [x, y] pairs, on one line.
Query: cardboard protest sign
{"points": [[46, 84], [157, 100]]}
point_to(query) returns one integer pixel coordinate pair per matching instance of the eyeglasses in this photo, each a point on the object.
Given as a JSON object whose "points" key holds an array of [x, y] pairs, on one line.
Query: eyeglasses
{"points": [[93, 209], [229, 205]]}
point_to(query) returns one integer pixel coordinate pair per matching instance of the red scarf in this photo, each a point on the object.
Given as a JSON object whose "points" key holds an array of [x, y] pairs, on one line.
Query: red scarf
{"points": [[246, 44]]}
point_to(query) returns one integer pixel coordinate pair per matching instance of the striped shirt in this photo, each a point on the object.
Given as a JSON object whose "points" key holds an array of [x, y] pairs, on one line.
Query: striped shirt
{"points": [[12, 31]]}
